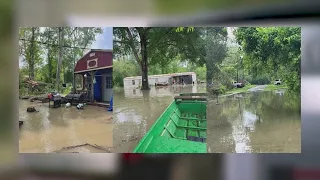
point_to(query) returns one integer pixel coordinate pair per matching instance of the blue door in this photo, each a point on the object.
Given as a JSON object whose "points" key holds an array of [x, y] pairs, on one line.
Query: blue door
{"points": [[98, 88]]}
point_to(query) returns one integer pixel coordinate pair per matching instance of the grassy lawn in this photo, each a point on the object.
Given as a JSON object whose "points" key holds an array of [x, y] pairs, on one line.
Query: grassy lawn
{"points": [[240, 90], [272, 87]]}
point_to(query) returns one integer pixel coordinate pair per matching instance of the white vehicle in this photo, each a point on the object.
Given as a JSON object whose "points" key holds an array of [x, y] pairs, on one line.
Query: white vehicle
{"points": [[277, 82], [237, 84]]}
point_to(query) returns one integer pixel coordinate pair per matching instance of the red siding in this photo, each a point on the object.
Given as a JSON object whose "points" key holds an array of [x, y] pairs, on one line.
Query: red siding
{"points": [[104, 60]]}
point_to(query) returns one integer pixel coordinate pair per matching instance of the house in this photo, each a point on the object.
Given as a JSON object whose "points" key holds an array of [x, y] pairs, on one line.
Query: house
{"points": [[173, 78], [93, 73]]}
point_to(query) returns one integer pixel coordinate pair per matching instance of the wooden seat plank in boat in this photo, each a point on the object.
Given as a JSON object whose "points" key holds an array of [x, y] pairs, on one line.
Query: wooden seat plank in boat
{"points": [[197, 98], [193, 94], [181, 128]]}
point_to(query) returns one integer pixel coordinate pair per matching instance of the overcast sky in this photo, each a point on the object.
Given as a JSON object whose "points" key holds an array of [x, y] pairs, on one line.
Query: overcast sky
{"points": [[104, 40]]}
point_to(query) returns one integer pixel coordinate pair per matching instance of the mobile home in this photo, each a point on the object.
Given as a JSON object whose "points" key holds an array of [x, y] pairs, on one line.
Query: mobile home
{"points": [[174, 78]]}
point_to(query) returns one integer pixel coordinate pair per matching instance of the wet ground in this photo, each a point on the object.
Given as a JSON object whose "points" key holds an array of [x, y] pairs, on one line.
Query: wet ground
{"points": [[51, 129], [257, 88], [255, 121], [135, 111]]}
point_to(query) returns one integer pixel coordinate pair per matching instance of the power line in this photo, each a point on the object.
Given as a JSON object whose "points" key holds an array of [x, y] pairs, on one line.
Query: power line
{"points": [[56, 45]]}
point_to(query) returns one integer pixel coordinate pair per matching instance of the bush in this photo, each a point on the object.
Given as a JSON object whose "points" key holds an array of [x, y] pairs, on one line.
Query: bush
{"points": [[67, 89], [217, 89], [259, 81]]}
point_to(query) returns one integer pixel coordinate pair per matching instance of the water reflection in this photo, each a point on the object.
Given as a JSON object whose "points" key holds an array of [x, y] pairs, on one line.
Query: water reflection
{"points": [[255, 122], [135, 111], [53, 128]]}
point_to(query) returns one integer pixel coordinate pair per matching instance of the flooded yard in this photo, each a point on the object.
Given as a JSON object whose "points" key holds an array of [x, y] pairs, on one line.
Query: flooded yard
{"points": [[254, 122], [135, 111], [51, 129]]}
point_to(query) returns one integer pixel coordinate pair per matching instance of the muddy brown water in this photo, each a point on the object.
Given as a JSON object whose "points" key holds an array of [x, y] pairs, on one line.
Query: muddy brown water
{"points": [[51, 129], [255, 122], [135, 111], [250, 122]]}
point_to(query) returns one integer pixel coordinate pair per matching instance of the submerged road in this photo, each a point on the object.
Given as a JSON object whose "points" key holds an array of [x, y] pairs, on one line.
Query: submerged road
{"points": [[257, 88]]}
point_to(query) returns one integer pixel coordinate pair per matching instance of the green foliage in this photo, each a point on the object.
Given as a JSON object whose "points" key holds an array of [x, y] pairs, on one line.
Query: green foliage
{"points": [[216, 52], [165, 49], [201, 72], [40, 60], [259, 80], [218, 89], [180, 29], [272, 53], [123, 68]]}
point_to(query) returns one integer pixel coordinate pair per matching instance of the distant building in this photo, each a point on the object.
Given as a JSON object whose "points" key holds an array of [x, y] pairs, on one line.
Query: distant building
{"points": [[173, 78]]}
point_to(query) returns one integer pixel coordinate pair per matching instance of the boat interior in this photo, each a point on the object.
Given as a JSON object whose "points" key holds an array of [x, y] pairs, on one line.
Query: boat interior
{"points": [[182, 127]]}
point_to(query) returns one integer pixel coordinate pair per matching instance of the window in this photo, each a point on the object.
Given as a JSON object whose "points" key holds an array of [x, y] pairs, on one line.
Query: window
{"points": [[108, 82], [133, 82]]}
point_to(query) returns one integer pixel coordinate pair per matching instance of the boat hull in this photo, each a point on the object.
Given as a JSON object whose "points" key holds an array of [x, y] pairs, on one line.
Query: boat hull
{"points": [[180, 129]]}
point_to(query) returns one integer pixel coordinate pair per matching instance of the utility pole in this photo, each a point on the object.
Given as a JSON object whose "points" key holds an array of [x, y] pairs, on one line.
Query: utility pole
{"points": [[60, 57], [73, 76], [238, 71]]}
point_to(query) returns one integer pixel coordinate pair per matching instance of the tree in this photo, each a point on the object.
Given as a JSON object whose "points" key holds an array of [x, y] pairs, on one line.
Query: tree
{"points": [[216, 51], [61, 37], [159, 46], [29, 49], [274, 51], [39, 50]]}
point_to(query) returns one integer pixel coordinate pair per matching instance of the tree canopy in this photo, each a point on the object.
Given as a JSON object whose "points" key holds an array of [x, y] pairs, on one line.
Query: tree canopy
{"points": [[164, 47], [39, 51], [273, 52]]}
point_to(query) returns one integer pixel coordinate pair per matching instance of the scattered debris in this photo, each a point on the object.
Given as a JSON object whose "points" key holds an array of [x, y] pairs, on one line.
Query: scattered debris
{"points": [[25, 97], [42, 98], [86, 146], [31, 109], [131, 138], [80, 106], [68, 105]]}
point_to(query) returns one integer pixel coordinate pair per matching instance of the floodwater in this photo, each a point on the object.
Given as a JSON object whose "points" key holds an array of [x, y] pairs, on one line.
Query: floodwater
{"points": [[51, 129], [135, 111], [255, 122]]}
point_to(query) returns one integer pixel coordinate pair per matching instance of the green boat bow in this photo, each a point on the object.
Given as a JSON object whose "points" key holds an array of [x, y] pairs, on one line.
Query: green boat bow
{"points": [[180, 129]]}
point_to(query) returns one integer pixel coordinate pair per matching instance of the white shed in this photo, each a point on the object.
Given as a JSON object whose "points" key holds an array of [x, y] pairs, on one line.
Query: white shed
{"points": [[134, 81]]}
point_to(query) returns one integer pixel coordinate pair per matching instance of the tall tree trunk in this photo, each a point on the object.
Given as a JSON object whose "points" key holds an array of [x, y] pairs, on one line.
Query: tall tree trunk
{"points": [[60, 58], [237, 74], [144, 61], [73, 75], [48, 59], [31, 62], [209, 74]]}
